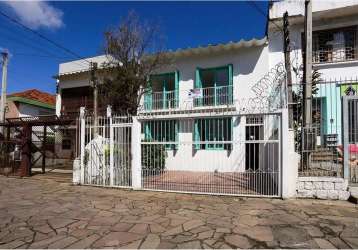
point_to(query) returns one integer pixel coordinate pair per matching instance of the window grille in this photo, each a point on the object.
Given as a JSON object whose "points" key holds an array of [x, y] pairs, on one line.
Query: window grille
{"points": [[335, 45]]}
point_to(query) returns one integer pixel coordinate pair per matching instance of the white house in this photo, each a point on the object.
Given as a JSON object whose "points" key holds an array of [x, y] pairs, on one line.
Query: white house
{"points": [[215, 120], [202, 110]]}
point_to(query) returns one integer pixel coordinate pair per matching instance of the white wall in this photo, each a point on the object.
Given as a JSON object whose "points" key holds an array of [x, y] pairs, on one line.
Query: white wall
{"points": [[249, 65], [296, 7], [81, 65]]}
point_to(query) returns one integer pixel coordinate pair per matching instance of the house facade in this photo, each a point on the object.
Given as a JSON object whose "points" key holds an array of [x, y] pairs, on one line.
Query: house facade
{"points": [[334, 56], [198, 83]]}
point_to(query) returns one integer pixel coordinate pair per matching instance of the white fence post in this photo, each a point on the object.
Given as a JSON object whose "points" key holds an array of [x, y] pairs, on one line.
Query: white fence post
{"points": [[290, 159], [136, 154], [345, 132], [111, 146], [82, 142]]}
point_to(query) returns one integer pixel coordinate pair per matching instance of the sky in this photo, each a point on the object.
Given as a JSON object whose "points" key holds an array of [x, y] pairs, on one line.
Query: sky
{"points": [[79, 27]]}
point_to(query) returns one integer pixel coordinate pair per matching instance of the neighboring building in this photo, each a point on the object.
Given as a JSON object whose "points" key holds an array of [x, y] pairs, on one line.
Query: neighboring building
{"points": [[334, 54], [30, 103]]}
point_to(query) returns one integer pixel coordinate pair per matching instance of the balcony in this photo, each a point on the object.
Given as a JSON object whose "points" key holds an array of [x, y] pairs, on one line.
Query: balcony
{"points": [[213, 96], [189, 99], [337, 45], [161, 100]]}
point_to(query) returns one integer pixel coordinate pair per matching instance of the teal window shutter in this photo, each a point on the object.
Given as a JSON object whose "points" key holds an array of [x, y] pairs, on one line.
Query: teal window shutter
{"points": [[198, 85], [197, 79], [176, 134], [148, 96], [147, 132], [231, 80], [177, 79], [196, 135]]}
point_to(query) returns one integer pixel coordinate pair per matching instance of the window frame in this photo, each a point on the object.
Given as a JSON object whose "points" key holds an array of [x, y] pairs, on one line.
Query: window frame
{"points": [[316, 59], [205, 123], [230, 80], [155, 127], [148, 98]]}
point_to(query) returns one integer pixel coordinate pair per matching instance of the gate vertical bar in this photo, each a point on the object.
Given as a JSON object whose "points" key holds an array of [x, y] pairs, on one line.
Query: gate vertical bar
{"points": [[111, 147], [44, 149], [82, 142], [345, 134], [104, 165], [136, 154]]}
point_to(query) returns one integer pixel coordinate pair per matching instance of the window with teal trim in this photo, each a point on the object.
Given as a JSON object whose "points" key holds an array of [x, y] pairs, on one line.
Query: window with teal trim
{"points": [[162, 131], [216, 86], [210, 130], [163, 91]]}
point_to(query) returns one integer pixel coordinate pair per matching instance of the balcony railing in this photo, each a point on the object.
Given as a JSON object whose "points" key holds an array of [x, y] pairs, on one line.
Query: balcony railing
{"points": [[214, 96], [200, 97], [342, 54], [161, 100], [335, 45]]}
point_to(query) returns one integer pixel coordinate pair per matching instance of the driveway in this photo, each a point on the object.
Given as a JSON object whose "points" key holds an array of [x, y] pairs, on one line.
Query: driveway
{"points": [[49, 214]]}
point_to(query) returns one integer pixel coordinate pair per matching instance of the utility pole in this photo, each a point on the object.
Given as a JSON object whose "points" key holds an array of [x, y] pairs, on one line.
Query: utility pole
{"points": [[287, 51], [93, 66], [5, 58], [307, 133], [307, 116]]}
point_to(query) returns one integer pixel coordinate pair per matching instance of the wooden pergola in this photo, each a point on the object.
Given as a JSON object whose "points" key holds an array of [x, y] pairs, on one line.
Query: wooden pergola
{"points": [[27, 123]]}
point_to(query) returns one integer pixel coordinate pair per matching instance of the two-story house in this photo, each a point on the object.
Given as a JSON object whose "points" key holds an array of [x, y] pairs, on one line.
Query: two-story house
{"points": [[199, 82]]}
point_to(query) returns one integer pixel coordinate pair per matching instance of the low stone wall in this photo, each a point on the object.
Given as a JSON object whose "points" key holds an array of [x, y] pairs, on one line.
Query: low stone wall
{"points": [[328, 188]]}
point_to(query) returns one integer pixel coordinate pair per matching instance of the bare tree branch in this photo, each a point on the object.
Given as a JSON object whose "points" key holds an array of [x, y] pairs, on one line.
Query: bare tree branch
{"points": [[134, 53]]}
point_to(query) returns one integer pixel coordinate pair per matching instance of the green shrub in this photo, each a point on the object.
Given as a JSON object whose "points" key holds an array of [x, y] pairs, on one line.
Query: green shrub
{"points": [[153, 158]]}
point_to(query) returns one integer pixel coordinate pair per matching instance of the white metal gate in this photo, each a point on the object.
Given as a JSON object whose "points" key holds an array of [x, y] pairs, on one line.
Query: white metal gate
{"points": [[227, 154], [216, 154], [106, 151]]}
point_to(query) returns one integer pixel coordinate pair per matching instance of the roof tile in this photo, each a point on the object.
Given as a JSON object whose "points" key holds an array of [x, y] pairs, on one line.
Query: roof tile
{"points": [[34, 94]]}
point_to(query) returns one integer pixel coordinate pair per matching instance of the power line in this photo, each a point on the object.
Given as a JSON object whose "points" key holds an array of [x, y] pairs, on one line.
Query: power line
{"points": [[9, 32], [259, 10], [37, 55], [29, 45], [25, 44], [43, 37]]}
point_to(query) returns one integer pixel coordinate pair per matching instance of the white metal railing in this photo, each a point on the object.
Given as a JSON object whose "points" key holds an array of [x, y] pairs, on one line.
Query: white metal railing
{"points": [[336, 45], [341, 53], [199, 97], [214, 96], [161, 100]]}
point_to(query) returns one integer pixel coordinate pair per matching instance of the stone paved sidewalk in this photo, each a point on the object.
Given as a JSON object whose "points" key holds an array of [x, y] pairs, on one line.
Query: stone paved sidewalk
{"points": [[48, 214]]}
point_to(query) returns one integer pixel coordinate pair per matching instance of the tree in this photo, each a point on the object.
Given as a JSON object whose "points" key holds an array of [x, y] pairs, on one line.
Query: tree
{"points": [[298, 107], [134, 53]]}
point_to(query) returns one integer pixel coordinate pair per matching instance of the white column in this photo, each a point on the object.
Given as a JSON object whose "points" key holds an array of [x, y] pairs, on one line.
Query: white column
{"points": [[82, 142], [136, 155], [290, 159]]}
